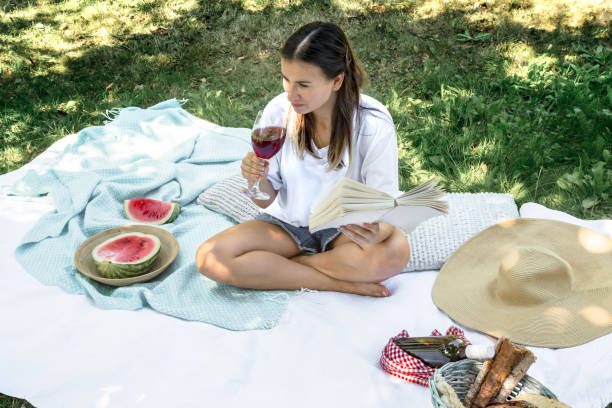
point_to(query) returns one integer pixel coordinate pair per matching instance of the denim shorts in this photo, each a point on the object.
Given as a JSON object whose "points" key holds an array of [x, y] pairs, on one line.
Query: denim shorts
{"points": [[311, 243]]}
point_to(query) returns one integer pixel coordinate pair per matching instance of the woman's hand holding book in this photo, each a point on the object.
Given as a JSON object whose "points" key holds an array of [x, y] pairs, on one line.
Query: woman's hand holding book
{"points": [[365, 234]]}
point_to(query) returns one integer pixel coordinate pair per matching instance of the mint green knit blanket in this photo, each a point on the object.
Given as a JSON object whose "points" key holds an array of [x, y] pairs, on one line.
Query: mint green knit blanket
{"points": [[164, 153]]}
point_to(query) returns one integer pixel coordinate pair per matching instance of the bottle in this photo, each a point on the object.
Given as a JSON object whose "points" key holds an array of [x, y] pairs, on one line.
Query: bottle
{"points": [[435, 351]]}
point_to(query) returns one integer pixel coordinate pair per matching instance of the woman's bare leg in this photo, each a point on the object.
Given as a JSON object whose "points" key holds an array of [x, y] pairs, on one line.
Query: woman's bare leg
{"points": [[255, 255], [370, 263]]}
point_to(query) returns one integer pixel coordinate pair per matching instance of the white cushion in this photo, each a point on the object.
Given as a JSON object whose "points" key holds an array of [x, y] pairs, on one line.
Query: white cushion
{"points": [[226, 197], [431, 243]]}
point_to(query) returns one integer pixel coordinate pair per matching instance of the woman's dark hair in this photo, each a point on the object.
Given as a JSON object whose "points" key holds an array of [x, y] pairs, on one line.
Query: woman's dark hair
{"points": [[326, 46]]}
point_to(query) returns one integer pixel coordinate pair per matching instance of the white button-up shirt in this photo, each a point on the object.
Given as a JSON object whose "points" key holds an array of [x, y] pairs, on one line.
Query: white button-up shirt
{"points": [[301, 182]]}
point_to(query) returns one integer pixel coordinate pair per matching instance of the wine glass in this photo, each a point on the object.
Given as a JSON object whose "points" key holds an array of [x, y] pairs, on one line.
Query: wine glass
{"points": [[267, 137]]}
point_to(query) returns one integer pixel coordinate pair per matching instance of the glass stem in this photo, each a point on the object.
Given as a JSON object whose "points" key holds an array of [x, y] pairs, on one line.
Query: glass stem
{"points": [[256, 185]]}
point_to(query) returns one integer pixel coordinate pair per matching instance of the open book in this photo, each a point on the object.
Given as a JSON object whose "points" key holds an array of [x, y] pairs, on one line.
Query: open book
{"points": [[352, 202]]}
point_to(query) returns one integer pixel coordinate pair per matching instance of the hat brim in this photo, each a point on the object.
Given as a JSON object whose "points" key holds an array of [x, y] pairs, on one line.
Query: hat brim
{"points": [[463, 288]]}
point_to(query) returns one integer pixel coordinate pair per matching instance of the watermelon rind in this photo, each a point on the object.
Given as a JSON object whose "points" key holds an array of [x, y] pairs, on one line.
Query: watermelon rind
{"points": [[171, 216], [111, 269], [176, 209]]}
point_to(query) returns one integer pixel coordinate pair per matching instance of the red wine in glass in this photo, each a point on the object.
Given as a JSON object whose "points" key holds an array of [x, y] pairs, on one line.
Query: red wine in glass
{"points": [[267, 141], [267, 137]]}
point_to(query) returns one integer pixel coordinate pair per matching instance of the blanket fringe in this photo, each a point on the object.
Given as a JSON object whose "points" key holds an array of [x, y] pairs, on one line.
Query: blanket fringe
{"points": [[283, 297], [111, 114], [280, 298]]}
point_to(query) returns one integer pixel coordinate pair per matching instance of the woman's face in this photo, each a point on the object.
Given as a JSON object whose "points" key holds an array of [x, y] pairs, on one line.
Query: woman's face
{"points": [[307, 87]]}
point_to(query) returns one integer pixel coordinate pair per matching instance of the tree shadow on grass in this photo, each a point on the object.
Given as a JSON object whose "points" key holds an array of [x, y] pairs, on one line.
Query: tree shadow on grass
{"points": [[12, 5], [507, 132]]}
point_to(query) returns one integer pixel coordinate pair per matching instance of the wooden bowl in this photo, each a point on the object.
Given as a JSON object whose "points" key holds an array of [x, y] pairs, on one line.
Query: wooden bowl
{"points": [[84, 262]]}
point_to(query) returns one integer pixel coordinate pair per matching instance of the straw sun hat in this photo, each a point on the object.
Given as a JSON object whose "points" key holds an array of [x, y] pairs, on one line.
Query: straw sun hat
{"points": [[539, 282]]}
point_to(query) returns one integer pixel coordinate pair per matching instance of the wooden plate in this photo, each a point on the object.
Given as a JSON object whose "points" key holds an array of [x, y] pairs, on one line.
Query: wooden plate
{"points": [[85, 264]]}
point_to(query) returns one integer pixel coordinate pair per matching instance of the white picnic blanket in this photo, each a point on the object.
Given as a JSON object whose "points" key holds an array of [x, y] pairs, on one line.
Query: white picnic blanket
{"points": [[59, 350]]}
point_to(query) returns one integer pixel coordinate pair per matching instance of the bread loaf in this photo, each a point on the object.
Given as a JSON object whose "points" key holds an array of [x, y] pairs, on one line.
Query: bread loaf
{"points": [[540, 401], [471, 394], [498, 377], [448, 396], [525, 359], [512, 404]]}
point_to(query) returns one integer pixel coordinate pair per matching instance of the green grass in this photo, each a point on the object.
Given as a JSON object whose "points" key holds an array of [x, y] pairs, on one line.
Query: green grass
{"points": [[10, 402], [507, 96]]}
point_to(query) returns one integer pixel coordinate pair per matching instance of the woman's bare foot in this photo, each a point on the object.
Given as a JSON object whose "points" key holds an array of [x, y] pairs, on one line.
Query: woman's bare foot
{"points": [[364, 289], [373, 289]]}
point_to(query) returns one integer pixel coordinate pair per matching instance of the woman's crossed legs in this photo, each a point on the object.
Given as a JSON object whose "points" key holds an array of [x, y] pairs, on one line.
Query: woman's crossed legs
{"points": [[260, 255]]}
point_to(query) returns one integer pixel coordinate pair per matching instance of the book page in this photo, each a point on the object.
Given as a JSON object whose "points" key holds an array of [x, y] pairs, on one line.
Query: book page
{"points": [[348, 185], [347, 196], [349, 210], [351, 218], [351, 202], [427, 194], [407, 218]]}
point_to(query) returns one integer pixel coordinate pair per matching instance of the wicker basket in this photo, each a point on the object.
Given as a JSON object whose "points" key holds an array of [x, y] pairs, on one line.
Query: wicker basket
{"points": [[461, 374]]}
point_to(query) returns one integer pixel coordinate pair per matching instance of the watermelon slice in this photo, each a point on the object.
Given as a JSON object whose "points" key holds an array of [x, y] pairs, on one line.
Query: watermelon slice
{"points": [[150, 211], [126, 255]]}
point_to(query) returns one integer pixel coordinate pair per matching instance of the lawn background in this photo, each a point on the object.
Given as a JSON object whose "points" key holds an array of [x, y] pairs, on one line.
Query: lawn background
{"points": [[510, 96]]}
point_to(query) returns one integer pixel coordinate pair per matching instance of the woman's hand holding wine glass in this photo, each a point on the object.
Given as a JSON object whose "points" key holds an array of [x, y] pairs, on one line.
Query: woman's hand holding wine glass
{"points": [[253, 168], [267, 137]]}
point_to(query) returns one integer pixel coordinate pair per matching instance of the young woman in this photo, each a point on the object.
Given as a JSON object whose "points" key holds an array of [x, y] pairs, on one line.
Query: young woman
{"points": [[333, 131]]}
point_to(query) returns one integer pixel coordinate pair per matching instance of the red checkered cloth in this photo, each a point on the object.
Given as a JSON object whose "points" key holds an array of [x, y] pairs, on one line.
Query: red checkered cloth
{"points": [[397, 362]]}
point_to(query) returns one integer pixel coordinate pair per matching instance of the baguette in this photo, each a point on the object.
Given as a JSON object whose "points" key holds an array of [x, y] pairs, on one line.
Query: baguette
{"points": [[471, 394], [448, 396], [512, 404], [526, 359], [540, 401], [505, 358], [497, 379]]}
